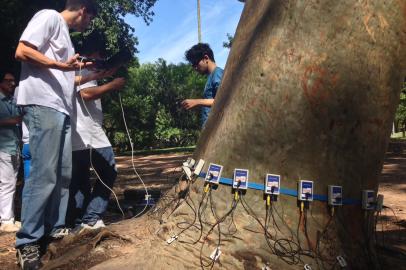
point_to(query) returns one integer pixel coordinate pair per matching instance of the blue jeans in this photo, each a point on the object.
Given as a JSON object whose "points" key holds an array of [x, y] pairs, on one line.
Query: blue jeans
{"points": [[26, 155], [88, 205], [46, 191]]}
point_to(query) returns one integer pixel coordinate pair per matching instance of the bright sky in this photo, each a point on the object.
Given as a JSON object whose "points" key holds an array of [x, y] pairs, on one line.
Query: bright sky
{"points": [[174, 29]]}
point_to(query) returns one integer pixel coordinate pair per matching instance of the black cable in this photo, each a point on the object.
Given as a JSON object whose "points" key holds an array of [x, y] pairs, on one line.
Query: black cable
{"points": [[219, 221]]}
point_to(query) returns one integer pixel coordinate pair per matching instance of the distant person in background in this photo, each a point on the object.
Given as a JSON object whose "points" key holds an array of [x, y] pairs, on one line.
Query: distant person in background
{"points": [[201, 57], [10, 119]]}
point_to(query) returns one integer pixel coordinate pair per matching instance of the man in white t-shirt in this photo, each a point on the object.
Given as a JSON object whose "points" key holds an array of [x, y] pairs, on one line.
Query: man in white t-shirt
{"points": [[46, 94], [87, 204]]}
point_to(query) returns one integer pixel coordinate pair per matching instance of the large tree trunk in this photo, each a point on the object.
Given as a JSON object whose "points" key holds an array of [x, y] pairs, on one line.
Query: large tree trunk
{"points": [[309, 92]]}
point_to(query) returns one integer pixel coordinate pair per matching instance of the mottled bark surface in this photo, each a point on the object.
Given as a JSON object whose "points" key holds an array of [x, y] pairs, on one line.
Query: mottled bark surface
{"points": [[309, 92]]}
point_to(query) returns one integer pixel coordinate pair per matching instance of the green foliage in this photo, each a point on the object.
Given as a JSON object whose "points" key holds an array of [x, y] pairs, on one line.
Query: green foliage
{"points": [[229, 42], [400, 116], [151, 101]]}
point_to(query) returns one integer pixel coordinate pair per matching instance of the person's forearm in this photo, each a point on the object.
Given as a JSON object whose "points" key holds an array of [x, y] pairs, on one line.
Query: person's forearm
{"points": [[28, 53], [207, 102], [96, 92], [25, 53], [10, 121], [79, 80]]}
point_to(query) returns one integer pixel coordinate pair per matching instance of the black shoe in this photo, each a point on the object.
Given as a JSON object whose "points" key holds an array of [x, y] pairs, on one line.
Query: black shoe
{"points": [[28, 257]]}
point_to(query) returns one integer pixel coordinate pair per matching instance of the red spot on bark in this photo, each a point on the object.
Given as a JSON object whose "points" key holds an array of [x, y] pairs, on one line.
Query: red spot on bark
{"points": [[313, 84]]}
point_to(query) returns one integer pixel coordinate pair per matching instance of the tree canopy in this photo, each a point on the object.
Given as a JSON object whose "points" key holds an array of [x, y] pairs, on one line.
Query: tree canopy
{"points": [[109, 25]]}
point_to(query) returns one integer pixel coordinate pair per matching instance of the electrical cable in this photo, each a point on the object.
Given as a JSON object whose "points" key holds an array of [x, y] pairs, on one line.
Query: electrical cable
{"points": [[132, 159], [219, 221]]}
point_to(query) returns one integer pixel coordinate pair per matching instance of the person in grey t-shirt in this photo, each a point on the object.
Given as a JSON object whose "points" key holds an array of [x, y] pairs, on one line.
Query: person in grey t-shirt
{"points": [[46, 92]]}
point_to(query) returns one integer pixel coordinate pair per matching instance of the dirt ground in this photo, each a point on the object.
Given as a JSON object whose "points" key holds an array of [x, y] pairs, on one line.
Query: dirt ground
{"points": [[159, 173]]}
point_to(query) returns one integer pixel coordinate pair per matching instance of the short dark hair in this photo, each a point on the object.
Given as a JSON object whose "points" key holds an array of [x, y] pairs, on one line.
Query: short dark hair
{"points": [[3, 74], [90, 5], [197, 53]]}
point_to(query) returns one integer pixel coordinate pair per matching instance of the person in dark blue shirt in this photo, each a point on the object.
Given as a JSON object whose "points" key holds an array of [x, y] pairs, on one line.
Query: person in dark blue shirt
{"points": [[201, 57]]}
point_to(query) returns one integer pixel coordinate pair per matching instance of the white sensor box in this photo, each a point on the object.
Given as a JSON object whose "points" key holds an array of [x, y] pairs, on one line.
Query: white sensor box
{"points": [[240, 179], [368, 199], [335, 195], [272, 184], [187, 171], [189, 163], [214, 173], [305, 190], [198, 167]]}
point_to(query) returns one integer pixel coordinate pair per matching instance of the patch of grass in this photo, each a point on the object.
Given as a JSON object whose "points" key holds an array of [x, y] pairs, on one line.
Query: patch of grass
{"points": [[397, 136], [184, 149]]}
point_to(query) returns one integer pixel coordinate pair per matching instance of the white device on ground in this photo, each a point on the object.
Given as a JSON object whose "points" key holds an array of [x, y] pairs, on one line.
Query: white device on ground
{"points": [[335, 195], [240, 179], [189, 162], [171, 239], [215, 254], [187, 172], [214, 173], [272, 184], [368, 199], [305, 190]]}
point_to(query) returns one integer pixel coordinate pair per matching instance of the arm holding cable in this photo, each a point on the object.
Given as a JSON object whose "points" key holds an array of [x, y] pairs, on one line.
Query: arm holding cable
{"points": [[29, 53], [93, 76], [96, 92]]}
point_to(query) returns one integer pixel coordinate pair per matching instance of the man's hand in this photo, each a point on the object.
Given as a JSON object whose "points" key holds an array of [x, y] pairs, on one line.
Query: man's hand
{"points": [[74, 64], [190, 103]]}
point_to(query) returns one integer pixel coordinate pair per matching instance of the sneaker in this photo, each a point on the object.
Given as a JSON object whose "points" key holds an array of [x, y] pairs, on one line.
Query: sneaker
{"points": [[10, 226], [60, 233], [28, 257], [93, 226]]}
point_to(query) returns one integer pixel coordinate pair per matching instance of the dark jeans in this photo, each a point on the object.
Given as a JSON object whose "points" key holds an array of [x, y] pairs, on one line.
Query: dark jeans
{"points": [[87, 205]]}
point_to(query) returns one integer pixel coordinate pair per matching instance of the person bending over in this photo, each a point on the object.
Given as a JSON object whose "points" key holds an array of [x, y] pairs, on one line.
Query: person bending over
{"points": [[87, 204]]}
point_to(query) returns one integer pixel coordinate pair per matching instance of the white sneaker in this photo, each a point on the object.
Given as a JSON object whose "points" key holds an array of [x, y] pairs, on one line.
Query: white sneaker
{"points": [[60, 233], [99, 224], [10, 225]]}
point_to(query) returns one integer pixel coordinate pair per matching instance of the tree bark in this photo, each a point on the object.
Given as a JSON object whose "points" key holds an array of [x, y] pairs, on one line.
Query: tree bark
{"points": [[309, 92]]}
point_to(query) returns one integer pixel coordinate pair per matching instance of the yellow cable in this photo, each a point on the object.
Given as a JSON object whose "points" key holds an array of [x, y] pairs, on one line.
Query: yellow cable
{"points": [[268, 200], [236, 195], [301, 206], [206, 188]]}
